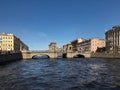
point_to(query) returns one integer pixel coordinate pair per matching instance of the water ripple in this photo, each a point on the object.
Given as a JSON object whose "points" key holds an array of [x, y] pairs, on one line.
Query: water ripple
{"points": [[62, 74]]}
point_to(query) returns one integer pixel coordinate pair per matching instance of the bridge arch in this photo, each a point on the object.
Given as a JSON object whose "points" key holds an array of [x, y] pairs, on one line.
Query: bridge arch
{"points": [[37, 54], [43, 56], [79, 56]]}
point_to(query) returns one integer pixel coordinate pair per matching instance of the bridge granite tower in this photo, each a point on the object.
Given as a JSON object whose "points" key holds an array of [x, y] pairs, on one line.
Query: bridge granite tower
{"points": [[52, 47]]}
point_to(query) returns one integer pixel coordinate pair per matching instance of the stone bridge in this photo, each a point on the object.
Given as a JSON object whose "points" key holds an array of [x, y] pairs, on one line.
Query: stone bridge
{"points": [[73, 54], [30, 54]]}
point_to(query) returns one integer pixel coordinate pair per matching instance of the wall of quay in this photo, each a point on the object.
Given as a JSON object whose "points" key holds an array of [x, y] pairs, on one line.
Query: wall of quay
{"points": [[105, 55], [9, 57]]}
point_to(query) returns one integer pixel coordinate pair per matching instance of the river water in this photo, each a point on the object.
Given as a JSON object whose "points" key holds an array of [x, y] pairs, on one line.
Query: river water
{"points": [[61, 74]]}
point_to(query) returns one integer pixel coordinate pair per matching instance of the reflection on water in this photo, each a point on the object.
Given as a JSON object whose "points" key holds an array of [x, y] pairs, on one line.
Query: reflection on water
{"points": [[61, 74]]}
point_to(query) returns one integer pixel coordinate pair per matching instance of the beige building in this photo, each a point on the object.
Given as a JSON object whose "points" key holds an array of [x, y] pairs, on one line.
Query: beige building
{"points": [[90, 45], [113, 40], [67, 48], [75, 42], [81, 45], [9, 42]]}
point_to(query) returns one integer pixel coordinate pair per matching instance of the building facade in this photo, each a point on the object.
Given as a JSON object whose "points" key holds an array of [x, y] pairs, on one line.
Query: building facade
{"points": [[113, 40], [75, 42], [9, 42], [90, 45], [83, 45], [67, 48]]}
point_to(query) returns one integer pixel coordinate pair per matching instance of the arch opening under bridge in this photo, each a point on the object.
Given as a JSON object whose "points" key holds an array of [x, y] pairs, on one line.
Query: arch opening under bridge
{"points": [[40, 56], [78, 56]]}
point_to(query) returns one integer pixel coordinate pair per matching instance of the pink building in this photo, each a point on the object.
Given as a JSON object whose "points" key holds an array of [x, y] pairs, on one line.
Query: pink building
{"points": [[90, 45]]}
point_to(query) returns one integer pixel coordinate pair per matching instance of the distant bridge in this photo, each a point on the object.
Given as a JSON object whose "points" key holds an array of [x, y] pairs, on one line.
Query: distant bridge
{"points": [[30, 54], [52, 54]]}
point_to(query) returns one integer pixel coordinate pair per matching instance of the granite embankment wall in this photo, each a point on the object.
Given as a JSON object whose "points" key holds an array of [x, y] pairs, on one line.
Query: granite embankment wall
{"points": [[105, 55], [10, 57]]}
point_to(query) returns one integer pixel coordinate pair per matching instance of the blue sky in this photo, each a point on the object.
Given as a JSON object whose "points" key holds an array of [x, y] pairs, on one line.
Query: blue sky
{"points": [[38, 22]]}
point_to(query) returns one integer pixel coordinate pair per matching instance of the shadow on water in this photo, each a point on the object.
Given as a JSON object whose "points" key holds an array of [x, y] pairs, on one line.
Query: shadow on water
{"points": [[41, 57], [79, 56]]}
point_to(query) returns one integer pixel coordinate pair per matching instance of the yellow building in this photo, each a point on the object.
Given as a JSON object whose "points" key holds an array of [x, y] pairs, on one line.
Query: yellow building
{"points": [[9, 42]]}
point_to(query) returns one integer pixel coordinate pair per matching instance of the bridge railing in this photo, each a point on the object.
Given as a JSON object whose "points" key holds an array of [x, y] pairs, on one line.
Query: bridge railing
{"points": [[48, 51], [38, 50]]}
